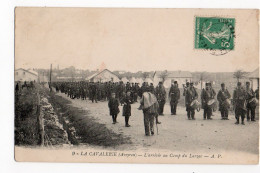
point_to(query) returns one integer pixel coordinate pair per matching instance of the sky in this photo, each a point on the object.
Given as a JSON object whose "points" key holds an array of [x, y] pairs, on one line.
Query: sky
{"points": [[128, 39]]}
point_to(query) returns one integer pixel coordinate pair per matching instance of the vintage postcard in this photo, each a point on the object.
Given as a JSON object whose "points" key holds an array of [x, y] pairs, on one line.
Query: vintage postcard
{"points": [[126, 85]]}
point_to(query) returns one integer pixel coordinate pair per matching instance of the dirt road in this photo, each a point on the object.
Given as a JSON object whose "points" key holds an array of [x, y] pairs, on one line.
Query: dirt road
{"points": [[176, 133]]}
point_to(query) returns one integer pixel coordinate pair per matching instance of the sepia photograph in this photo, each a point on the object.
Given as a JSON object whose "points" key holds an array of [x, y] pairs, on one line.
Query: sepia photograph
{"points": [[136, 85]]}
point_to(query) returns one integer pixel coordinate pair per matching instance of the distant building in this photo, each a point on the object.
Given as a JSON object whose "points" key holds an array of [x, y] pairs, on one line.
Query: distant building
{"points": [[25, 75], [180, 76], [254, 79], [103, 76]]}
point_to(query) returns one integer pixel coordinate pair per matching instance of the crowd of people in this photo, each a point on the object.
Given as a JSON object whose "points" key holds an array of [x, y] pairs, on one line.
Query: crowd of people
{"points": [[153, 99]]}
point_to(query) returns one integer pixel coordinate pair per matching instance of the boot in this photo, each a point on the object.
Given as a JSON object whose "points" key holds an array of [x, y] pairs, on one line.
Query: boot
{"points": [[237, 121], [157, 121]]}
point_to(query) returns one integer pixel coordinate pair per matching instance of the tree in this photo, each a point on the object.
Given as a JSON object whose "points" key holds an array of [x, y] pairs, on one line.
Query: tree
{"points": [[145, 75], [164, 75], [239, 74]]}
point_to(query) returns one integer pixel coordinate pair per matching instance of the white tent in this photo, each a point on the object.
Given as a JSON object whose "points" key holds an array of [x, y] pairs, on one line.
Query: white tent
{"points": [[132, 80], [139, 80], [125, 80]]}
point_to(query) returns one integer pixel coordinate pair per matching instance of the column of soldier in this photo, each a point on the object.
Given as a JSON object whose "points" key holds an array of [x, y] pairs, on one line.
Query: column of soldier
{"points": [[244, 100]]}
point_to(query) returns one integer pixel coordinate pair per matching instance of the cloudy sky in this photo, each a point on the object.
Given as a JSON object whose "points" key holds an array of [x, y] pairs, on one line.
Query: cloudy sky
{"points": [[128, 39]]}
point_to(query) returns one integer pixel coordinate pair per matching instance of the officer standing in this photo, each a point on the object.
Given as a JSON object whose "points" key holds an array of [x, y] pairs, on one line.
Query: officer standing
{"points": [[251, 106], [222, 96], [174, 95], [190, 95], [161, 96], [206, 95], [239, 98]]}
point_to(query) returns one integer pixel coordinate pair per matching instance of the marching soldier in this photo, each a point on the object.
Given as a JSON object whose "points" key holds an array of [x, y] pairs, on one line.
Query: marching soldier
{"points": [[190, 95], [161, 96], [222, 97], [251, 105], [206, 95], [174, 95], [239, 98]]}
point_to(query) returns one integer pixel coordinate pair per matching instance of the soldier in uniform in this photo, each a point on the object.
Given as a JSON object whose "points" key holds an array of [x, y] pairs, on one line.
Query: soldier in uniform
{"points": [[251, 106], [206, 95], [113, 105], [174, 95], [239, 99], [126, 102], [136, 90], [222, 96], [161, 96], [190, 95]]}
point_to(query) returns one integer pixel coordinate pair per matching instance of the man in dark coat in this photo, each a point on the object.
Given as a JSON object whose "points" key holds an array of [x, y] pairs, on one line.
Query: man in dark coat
{"points": [[190, 95], [222, 96], [161, 97], [113, 105], [206, 95], [239, 99], [174, 95], [126, 102], [251, 105]]}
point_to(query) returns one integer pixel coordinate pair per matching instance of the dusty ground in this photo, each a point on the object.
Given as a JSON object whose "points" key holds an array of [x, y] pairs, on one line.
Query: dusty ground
{"points": [[176, 133]]}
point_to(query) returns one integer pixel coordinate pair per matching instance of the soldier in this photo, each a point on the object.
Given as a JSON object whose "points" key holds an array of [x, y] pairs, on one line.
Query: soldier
{"points": [[127, 101], [257, 93], [161, 96], [136, 90], [190, 95], [185, 88], [206, 95], [251, 106], [239, 98], [222, 96], [113, 105], [174, 95], [93, 92]]}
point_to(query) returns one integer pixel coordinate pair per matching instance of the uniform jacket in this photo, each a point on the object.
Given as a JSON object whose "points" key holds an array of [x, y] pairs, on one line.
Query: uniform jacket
{"points": [[239, 98], [206, 95], [160, 93], [190, 95], [126, 101], [113, 105], [174, 94], [222, 96]]}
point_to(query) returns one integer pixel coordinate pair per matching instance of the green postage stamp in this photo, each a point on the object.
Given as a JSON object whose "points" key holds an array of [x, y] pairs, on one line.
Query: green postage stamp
{"points": [[214, 33]]}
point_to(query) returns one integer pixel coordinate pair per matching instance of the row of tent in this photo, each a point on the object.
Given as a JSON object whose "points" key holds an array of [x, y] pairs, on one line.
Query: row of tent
{"points": [[136, 80]]}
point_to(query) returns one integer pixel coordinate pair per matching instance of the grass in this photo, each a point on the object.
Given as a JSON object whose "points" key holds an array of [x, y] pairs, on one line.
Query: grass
{"points": [[26, 131], [88, 130]]}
